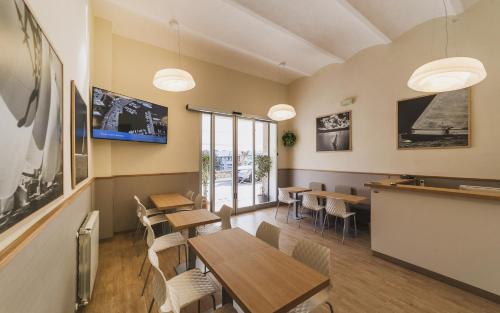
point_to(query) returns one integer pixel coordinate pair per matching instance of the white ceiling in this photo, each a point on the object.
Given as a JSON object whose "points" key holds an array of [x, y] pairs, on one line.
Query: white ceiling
{"points": [[254, 36]]}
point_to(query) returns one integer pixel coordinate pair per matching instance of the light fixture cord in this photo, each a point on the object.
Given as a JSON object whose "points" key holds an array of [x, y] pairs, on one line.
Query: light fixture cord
{"points": [[179, 44], [446, 27]]}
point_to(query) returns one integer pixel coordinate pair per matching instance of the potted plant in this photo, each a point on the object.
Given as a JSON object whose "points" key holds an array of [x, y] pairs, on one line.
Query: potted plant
{"points": [[263, 164], [289, 138], [205, 172]]}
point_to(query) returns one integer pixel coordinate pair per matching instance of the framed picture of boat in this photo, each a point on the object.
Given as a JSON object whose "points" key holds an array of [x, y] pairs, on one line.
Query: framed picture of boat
{"points": [[31, 111], [79, 137], [435, 121], [333, 132]]}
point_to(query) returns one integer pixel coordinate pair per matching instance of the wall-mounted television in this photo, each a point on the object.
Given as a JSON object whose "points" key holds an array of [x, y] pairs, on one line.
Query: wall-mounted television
{"points": [[118, 117]]}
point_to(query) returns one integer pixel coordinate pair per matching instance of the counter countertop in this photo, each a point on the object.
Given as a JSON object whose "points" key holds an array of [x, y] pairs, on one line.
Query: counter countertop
{"points": [[401, 184]]}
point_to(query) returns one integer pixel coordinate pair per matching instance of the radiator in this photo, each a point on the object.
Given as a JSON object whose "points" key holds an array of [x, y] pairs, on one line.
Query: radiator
{"points": [[88, 256]]}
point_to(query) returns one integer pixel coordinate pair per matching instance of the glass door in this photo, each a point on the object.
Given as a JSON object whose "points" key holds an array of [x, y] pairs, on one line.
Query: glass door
{"points": [[238, 162], [223, 162], [245, 171]]}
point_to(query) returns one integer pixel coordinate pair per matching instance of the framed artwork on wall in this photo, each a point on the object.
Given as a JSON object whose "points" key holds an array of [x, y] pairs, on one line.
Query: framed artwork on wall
{"points": [[31, 105], [79, 137], [435, 121], [334, 132]]}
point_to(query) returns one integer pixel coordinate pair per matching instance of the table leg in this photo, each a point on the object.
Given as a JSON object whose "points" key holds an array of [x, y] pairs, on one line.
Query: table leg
{"points": [[192, 253], [296, 206], [191, 256], [226, 298]]}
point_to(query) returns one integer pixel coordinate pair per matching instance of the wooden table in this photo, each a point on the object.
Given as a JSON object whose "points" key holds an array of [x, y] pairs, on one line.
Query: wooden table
{"points": [[340, 196], [257, 276], [190, 220], [170, 201], [347, 198], [295, 192]]}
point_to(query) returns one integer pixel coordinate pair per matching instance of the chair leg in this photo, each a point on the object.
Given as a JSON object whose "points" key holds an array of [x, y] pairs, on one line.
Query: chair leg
{"points": [[301, 214], [323, 226], [146, 281], [187, 261], [355, 226], [315, 220], [335, 222], [330, 306], [142, 266], [137, 228], [199, 306], [277, 208], [288, 212], [151, 305], [179, 254], [343, 231], [213, 301]]}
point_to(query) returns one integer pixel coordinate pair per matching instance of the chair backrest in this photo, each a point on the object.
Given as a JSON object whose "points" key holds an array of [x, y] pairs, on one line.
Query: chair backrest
{"points": [[283, 195], [313, 255], [198, 201], [335, 207], [315, 186], [150, 237], [159, 281], [141, 212], [190, 194], [225, 213], [310, 201], [269, 233], [343, 189], [138, 206]]}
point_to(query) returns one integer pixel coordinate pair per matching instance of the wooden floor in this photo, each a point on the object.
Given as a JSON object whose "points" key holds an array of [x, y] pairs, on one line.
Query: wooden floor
{"points": [[361, 282]]}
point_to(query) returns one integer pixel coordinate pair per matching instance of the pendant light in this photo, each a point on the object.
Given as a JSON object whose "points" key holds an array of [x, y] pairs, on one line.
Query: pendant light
{"points": [[174, 79], [282, 111], [450, 73]]}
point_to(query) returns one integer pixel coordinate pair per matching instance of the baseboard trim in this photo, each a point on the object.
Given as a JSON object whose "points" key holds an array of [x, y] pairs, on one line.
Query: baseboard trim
{"points": [[442, 278]]}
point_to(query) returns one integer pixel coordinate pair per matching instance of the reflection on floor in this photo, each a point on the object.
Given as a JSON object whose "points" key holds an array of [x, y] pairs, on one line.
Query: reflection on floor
{"points": [[361, 282]]}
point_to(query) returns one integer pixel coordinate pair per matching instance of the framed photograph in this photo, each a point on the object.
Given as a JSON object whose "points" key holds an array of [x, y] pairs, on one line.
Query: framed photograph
{"points": [[435, 121], [31, 105], [79, 137], [333, 132]]}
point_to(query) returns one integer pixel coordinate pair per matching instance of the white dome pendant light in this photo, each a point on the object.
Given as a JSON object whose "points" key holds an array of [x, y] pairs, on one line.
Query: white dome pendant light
{"points": [[449, 73], [174, 79], [281, 112]]}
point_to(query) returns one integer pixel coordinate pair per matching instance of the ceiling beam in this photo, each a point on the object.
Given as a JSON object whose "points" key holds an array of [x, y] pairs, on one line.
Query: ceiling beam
{"points": [[361, 18], [335, 58]]}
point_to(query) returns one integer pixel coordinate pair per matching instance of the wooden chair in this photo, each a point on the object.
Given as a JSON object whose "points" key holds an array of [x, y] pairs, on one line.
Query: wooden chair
{"points": [[269, 233], [338, 208], [179, 291], [284, 197], [316, 257], [311, 202]]}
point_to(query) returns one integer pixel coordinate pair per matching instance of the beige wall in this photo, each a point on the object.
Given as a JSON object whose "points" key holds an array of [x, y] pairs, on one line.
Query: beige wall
{"points": [[378, 76], [41, 277], [133, 65]]}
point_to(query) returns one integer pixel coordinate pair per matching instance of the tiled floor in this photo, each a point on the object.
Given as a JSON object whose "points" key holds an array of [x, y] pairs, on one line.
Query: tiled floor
{"points": [[361, 282]]}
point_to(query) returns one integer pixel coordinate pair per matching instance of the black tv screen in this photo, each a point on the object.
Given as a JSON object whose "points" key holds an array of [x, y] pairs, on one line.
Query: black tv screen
{"points": [[118, 117]]}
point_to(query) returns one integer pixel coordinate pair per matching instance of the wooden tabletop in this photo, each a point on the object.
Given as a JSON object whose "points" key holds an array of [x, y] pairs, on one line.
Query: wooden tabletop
{"points": [[296, 189], [337, 195], [193, 218], [170, 201], [258, 277]]}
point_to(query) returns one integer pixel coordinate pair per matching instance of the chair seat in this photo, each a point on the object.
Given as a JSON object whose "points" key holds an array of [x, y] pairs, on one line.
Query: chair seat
{"points": [[227, 308], [156, 219], [151, 212], [189, 287], [208, 229], [290, 201], [168, 241], [312, 304], [316, 208]]}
